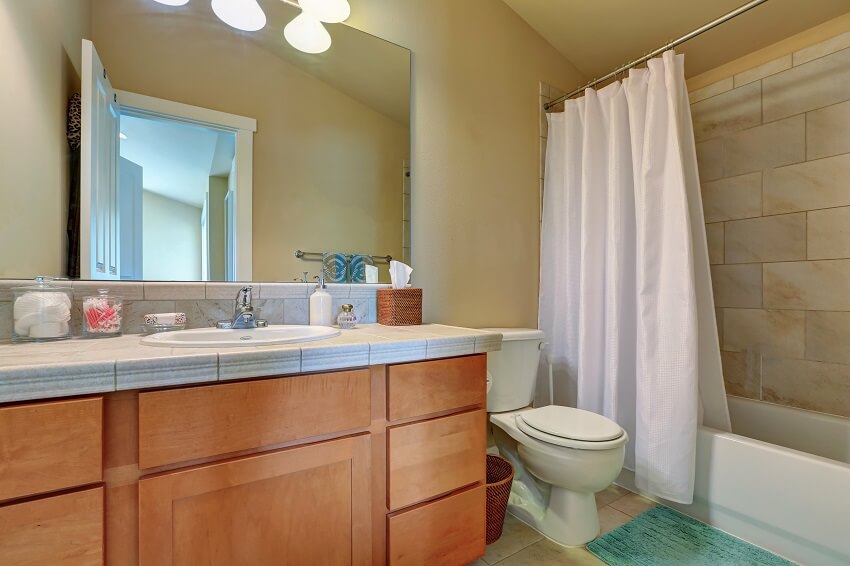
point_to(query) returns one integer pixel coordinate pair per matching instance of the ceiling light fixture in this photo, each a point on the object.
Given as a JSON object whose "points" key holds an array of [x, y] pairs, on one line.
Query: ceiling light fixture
{"points": [[245, 15], [328, 11], [173, 2], [307, 34]]}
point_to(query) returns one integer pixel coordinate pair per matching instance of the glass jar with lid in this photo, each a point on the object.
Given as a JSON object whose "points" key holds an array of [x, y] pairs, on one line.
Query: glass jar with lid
{"points": [[41, 311], [102, 316]]}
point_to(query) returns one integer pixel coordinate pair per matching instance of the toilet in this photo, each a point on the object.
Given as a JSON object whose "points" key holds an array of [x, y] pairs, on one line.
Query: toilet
{"points": [[561, 456]]}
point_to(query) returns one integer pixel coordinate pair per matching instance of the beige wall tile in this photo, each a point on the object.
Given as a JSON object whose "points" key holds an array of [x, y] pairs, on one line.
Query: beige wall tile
{"points": [[742, 373], [737, 285], [731, 111], [807, 186], [771, 238], [816, 386], [832, 45], [711, 90], [732, 198], [828, 131], [813, 85], [764, 331], [762, 71], [827, 336], [828, 233], [810, 285], [714, 236], [710, 159], [770, 145]]}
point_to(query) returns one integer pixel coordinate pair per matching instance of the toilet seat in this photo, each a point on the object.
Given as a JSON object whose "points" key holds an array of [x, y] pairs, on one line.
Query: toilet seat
{"points": [[571, 428]]}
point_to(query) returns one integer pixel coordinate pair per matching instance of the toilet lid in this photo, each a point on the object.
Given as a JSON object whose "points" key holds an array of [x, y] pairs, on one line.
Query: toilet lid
{"points": [[570, 423]]}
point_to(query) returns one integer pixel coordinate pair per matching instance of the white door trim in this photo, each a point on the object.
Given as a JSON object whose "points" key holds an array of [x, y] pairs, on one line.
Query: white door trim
{"points": [[244, 128]]}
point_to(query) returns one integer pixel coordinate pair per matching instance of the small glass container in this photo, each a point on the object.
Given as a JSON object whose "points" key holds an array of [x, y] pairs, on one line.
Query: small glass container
{"points": [[41, 312], [102, 316], [347, 319]]}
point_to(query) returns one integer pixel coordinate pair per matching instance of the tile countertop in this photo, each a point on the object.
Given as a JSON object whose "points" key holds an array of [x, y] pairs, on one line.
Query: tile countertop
{"points": [[80, 366]]}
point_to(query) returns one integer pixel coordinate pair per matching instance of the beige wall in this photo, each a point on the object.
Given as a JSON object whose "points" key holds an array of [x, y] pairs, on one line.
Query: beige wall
{"points": [[773, 143], [327, 169], [475, 166], [171, 239], [40, 45]]}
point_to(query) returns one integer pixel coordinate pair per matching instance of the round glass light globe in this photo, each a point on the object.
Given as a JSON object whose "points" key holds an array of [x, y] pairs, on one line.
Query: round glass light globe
{"points": [[307, 34], [245, 15]]}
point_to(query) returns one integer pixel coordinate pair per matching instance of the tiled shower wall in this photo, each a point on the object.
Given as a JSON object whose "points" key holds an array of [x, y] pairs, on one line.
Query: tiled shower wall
{"points": [[773, 145], [203, 303]]}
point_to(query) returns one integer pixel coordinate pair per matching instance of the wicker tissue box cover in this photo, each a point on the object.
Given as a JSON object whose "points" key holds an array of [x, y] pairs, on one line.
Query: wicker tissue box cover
{"points": [[399, 307]]}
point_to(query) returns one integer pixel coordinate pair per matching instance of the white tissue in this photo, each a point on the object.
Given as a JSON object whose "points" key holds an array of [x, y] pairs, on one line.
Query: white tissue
{"points": [[371, 274], [399, 274]]}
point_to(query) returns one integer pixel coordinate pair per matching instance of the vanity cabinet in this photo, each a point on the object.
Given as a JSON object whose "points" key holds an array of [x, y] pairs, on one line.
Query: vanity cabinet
{"points": [[372, 466]]}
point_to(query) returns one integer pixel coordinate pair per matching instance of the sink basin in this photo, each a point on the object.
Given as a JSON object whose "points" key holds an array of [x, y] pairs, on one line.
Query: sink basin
{"points": [[220, 338]]}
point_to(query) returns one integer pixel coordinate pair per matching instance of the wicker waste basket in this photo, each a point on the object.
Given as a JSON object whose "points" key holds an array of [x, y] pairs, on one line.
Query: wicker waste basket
{"points": [[500, 475]]}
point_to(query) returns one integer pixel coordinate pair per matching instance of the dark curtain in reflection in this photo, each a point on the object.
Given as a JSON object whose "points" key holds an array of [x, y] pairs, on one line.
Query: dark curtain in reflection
{"points": [[73, 226]]}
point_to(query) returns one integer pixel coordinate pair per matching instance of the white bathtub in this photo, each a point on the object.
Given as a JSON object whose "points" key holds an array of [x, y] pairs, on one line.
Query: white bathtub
{"points": [[793, 503]]}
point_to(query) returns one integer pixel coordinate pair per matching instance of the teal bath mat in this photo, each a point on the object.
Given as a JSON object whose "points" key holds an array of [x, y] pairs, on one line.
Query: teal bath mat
{"points": [[661, 537]]}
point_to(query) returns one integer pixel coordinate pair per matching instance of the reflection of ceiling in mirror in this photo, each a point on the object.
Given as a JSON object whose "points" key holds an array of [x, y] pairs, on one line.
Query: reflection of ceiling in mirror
{"points": [[384, 86], [177, 159]]}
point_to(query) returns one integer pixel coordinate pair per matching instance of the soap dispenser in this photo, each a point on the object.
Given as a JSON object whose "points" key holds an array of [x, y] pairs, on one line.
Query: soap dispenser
{"points": [[321, 305]]}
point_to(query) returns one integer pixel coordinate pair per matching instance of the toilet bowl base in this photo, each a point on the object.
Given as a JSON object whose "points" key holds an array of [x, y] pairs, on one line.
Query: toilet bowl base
{"points": [[569, 519]]}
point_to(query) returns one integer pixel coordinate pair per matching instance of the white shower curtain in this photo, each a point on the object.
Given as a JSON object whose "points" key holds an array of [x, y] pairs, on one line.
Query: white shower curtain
{"points": [[625, 289]]}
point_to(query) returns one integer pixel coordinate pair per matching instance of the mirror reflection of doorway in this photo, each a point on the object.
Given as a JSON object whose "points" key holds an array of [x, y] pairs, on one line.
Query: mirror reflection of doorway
{"points": [[166, 188], [186, 172]]}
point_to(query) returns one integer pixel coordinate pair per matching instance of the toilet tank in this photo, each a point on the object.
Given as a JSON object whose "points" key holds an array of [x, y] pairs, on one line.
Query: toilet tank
{"points": [[512, 371]]}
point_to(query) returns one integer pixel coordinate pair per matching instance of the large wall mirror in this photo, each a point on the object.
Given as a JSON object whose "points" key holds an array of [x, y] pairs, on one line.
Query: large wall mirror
{"points": [[206, 153]]}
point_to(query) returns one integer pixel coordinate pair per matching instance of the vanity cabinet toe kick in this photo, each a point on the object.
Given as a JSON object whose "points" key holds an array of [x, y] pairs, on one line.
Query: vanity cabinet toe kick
{"points": [[381, 465]]}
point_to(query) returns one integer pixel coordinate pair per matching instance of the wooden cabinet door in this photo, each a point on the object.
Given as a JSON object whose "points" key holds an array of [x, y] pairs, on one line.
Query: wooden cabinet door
{"points": [[304, 505], [63, 530]]}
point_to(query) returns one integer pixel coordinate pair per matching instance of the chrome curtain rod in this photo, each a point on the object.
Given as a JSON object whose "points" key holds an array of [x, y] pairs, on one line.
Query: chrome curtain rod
{"points": [[300, 255], [670, 45]]}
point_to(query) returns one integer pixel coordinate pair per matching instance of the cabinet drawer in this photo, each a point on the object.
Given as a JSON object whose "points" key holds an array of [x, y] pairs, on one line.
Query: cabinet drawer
{"points": [[198, 422], [430, 458], [63, 530], [449, 531], [50, 446], [424, 388]]}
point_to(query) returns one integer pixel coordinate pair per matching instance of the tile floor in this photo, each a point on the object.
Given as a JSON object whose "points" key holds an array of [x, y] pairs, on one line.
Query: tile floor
{"points": [[520, 545]]}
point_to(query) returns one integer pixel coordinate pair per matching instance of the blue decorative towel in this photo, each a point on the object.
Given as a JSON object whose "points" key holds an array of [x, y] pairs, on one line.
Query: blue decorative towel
{"points": [[335, 267], [358, 267], [663, 537]]}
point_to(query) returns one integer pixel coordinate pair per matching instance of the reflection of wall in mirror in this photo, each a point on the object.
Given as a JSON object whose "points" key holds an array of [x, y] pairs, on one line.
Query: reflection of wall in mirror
{"points": [[326, 166], [40, 57], [171, 239]]}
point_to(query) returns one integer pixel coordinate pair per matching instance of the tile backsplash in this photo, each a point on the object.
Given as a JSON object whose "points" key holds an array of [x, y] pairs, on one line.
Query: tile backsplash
{"points": [[773, 145], [203, 303]]}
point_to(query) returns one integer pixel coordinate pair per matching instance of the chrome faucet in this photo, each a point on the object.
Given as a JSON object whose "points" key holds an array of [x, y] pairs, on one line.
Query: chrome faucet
{"points": [[244, 316]]}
